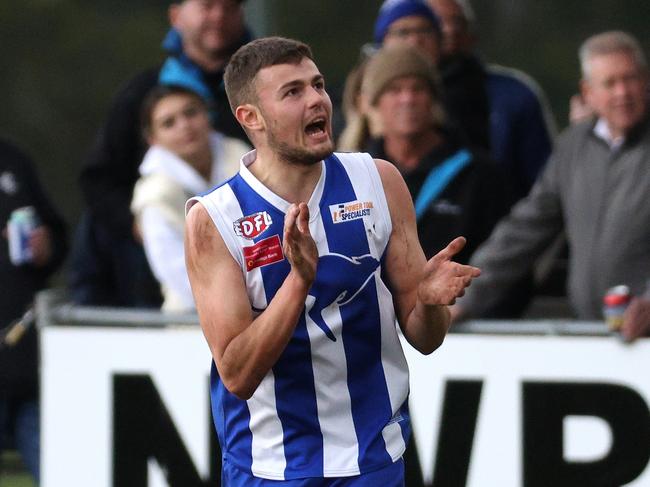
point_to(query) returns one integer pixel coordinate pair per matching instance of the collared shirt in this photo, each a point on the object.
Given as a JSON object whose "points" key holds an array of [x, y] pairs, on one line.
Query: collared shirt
{"points": [[601, 130]]}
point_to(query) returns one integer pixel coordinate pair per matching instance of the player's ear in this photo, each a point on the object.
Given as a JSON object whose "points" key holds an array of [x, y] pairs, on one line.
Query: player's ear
{"points": [[250, 117]]}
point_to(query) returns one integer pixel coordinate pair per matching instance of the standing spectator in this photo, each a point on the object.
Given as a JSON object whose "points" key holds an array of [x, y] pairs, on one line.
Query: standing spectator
{"points": [[456, 191], [185, 158], [521, 126], [108, 265], [19, 412], [595, 188]]}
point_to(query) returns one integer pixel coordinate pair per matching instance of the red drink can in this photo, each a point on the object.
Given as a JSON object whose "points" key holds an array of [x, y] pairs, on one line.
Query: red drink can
{"points": [[615, 302]]}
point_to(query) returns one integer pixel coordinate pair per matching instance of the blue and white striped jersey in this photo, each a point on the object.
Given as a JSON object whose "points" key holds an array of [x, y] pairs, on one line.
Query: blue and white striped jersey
{"points": [[335, 403]]}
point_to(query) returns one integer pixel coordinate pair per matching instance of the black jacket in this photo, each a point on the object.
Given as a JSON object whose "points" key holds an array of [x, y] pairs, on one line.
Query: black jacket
{"points": [[19, 186], [466, 99], [470, 205]]}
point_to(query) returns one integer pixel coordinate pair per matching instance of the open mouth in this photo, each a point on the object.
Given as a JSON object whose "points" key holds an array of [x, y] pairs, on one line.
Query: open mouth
{"points": [[317, 127]]}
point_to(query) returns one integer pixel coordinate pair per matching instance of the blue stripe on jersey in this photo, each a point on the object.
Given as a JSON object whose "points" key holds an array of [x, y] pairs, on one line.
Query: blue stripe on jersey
{"points": [[234, 435], [296, 404], [371, 408], [295, 392], [215, 402]]}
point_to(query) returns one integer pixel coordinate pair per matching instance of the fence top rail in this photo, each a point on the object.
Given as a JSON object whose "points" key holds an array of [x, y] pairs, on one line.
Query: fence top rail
{"points": [[52, 311]]}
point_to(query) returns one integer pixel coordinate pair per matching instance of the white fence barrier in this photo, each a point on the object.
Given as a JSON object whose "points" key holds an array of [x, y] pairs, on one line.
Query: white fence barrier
{"points": [[129, 406]]}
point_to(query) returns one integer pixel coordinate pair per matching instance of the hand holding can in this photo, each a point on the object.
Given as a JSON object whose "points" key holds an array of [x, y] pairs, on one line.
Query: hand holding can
{"points": [[615, 302], [20, 226]]}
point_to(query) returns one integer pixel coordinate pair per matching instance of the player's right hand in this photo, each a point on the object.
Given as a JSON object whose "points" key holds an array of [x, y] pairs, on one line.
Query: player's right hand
{"points": [[298, 245]]}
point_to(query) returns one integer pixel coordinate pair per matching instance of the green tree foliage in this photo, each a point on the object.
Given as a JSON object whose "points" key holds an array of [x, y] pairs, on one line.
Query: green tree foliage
{"points": [[62, 61]]}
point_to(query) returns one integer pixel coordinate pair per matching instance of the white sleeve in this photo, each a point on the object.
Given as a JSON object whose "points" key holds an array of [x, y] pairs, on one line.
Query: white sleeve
{"points": [[163, 244]]}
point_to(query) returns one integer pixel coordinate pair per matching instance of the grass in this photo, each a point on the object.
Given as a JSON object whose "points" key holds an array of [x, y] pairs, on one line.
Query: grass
{"points": [[12, 471], [16, 480]]}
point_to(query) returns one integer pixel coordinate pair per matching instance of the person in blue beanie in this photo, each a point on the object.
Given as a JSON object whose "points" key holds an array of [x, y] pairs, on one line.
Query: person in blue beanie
{"points": [[108, 265], [413, 23], [401, 20]]}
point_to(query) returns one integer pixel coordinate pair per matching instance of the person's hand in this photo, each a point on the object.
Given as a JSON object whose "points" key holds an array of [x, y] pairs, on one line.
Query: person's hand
{"points": [[636, 320], [136, 232], [298, 245], [40, 242], [579, 110], [445, 280]]}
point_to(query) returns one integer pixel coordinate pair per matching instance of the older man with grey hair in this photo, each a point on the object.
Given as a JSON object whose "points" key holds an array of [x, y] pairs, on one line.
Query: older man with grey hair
{"points": [[595, 188]]}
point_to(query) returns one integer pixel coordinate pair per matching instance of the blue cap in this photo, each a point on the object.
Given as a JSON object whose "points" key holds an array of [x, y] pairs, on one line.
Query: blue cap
{"points": [[393, 10]]}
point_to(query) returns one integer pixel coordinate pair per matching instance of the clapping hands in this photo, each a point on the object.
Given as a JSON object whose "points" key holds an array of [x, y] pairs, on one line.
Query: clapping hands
{"points": [[445, 280]]}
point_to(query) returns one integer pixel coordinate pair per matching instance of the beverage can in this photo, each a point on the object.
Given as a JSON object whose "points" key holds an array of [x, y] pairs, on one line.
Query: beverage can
{"points": [[22, 223], [615, 302]]}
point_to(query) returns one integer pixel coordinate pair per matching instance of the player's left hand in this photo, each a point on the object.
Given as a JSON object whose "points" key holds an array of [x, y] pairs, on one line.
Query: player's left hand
{"points": [[636, 320], [445, 280]]}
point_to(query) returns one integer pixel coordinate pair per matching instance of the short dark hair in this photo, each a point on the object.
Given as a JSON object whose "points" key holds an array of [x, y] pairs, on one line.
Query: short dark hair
{"points": [[154, 96], [256, 55]]}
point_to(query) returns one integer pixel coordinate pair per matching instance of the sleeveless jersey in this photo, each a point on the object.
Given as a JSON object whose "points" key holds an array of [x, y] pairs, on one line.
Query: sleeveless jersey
{"points": [[335, 403]]}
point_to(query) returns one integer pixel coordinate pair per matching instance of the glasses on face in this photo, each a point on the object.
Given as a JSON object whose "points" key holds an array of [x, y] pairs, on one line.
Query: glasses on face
{"points": [[404, 32]]}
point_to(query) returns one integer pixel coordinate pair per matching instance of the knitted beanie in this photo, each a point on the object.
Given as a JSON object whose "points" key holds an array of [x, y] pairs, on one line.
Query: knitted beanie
{"points": [[397, 62], [393, 10]]}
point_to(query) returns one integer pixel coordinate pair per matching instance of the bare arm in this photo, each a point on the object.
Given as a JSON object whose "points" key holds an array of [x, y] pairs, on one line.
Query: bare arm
{"points": [[421, 289], [245, 348]]}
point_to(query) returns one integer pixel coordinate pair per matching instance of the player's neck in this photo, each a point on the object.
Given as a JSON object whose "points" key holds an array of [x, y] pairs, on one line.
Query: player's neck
{"points": [[294, 183]]}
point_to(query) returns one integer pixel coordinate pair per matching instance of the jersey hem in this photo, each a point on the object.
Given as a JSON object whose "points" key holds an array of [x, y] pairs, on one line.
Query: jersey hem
{"points": [[329, 473]]}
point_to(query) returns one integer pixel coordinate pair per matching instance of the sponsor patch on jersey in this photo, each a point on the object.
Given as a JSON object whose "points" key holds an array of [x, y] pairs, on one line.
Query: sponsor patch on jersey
{"points": [[353, 210], [264, 252], [252, 226]]}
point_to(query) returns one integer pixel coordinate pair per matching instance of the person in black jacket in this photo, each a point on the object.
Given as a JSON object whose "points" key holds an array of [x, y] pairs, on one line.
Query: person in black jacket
{"points": [[108, 265], [456, 191], [19, 187]]}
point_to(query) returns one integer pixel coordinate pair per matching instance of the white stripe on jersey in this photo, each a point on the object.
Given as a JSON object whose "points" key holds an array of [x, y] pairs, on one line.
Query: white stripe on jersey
{"points": [[340, 446], [267, 434], [396, 372]]}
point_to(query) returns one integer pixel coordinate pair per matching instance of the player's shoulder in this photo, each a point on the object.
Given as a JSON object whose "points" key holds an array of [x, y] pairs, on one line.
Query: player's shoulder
{"points": [[196, 215], [388, 173]]}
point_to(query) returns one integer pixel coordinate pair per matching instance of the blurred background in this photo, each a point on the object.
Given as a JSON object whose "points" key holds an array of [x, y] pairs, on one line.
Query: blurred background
{"points": [[63, 60]]}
